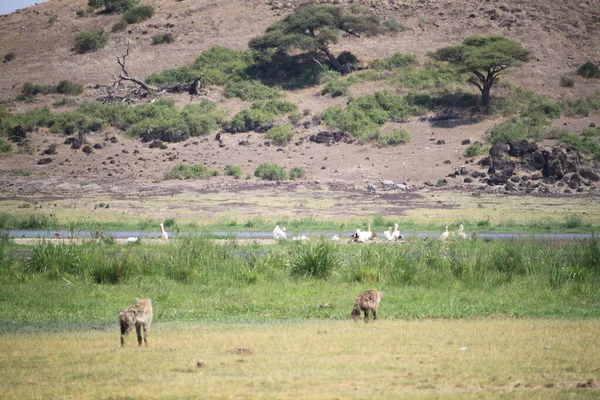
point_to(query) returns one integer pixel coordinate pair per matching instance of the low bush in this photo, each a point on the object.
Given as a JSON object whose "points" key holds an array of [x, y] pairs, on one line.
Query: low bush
{"points": [[567, 81], [297, 173], [586, 145], [259, 114], [336, 87], [68, 87], [364, 115], [8, 57], [518, 129], [396, 138], [183, 171], [138, 14], [233, 170], [280, 135], [591, 132], [5, 146], [119, 26], [113, 6], [163, 38], [270, 172], [475, 149], [398, 60], [251, 91], [583, 107], [90, 41], [219, 64], [588, 70]]}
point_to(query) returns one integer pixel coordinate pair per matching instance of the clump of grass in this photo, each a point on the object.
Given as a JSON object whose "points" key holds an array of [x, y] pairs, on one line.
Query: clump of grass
{"points": [[250, 90], [396, 138], [233, 170], [5, 147], [90, 41], [184, 171], [297, 173], [8, 57], [270, 172], [583, 107], [586, 145], [138, 14], [316, 259], [163, 38], [398, 60], [475, 149], [588, 70], [281, 135], [567, 81], [260, 113]]}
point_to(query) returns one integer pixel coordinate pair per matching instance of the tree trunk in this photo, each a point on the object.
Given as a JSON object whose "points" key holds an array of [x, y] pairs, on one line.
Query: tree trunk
{"points": [[485, 95], [336, 64]]}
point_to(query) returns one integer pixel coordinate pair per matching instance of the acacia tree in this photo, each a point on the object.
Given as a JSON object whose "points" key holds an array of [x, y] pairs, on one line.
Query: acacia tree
{"points": [[485, 57], [315, 28]]}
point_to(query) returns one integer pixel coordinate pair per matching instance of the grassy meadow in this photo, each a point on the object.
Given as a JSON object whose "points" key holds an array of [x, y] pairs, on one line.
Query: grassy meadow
{"points": [[389, 359], [463, 319]]}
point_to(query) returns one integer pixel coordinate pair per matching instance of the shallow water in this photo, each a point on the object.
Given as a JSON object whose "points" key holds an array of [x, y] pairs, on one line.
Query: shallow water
{"points": [[269, 235]]}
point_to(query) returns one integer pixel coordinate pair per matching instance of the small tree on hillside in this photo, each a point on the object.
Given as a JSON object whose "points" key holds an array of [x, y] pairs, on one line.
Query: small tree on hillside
{"points": [[315, 28], [485, 57]]}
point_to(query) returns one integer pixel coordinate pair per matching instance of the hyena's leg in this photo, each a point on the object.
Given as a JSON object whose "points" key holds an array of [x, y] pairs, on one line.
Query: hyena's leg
{"points": [[366, 311], [125, 329], [146, 333], [374, 314], [138, 330]]}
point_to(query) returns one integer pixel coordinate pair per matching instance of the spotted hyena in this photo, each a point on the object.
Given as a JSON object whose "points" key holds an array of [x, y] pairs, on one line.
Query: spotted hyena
{"points": [[138, 315], [367, 302]]}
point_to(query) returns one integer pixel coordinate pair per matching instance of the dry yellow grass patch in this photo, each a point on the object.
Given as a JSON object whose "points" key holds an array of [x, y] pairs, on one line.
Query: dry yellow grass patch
{"points": [[311, 360]]}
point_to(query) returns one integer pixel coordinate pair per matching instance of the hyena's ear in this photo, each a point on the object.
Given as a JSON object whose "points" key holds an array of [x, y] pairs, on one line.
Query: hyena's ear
{"points": [[381, 294]]}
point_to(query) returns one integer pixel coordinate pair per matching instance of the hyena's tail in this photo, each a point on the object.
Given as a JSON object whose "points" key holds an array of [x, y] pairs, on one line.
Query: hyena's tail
{"points": [[123, 324]]}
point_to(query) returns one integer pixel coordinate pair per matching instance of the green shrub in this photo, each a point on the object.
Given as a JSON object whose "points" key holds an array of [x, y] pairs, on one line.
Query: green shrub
{"points": [[398, 60], [567, 81], [138, 14], [475, 149], [397, 137], [517, 129], [233, 170], [591, 132], [8, 57], [250, 91], [588, 70], [270, 172], [297, 173], [336, 87], [5, 146], [113, 6], [391, 25], [183, 171], [586, 145], [90, 41], [68, 87], [316, 259], [583, 107], [219, 64], [431, 76], [542, 108], [259, 114], [163, 38], [119, 26], [202, 119], [280, 134], [364, 115]]}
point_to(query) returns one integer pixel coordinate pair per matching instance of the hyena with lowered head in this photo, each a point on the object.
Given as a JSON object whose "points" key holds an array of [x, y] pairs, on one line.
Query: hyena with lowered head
{"points": [[138, 315], [366, 302]]}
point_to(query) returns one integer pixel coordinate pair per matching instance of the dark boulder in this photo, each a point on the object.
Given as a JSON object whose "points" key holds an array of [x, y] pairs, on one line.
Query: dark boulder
{"points": [[521, 147]]}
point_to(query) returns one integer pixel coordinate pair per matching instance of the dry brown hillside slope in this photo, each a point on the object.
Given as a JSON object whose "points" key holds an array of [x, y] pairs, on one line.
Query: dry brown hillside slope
{"points": [[560, 35]]}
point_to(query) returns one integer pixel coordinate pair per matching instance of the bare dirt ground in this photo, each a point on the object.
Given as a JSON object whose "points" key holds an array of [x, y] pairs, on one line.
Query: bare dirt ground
{"points": [[131, 175]]}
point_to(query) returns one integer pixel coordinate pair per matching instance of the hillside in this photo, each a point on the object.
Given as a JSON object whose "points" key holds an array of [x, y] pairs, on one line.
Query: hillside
{"points": [[560, 37]]}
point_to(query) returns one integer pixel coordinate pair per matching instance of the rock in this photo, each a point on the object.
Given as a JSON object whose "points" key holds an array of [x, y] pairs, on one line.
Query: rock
{"points": [[76, 143], [533, 161], [478, 174], [466, 142], [509, 187], [51, 150], [98, 146], [44, 161], [87, 150], [464, 171], [467, 180], [520, 148], [587, 173], [447, 162], [498, 150], [18, 134], [328, 137], [440, 142], [515, 179]]}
